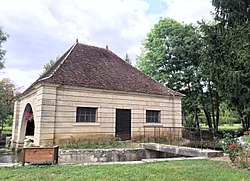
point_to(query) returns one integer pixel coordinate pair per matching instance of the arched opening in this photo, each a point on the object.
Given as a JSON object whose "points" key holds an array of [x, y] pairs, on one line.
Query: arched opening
{"points": [[29, 119]]}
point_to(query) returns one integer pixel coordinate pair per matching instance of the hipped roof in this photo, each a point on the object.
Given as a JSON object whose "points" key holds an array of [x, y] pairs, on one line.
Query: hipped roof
{"points": [[92, 67]]}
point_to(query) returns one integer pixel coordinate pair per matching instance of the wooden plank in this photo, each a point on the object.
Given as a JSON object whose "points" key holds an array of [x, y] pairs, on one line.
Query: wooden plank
{"points": [[37, 155]]}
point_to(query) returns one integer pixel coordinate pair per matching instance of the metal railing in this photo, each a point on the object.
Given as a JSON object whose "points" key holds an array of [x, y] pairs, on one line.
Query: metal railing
{"points": [[181, 136]]}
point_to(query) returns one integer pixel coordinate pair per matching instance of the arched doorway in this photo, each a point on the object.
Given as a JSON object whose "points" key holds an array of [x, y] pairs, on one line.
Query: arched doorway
{"points": [[29, 119]]}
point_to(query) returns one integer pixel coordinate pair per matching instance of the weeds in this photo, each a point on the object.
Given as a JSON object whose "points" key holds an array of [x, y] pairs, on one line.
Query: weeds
{"points": [[78, 143]]}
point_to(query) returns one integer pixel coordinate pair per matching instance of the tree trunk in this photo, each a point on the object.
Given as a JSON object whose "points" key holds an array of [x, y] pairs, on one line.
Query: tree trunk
{"points": [[217, 112], [245, 120], [195, 118], [217, 118], [208, 117]]}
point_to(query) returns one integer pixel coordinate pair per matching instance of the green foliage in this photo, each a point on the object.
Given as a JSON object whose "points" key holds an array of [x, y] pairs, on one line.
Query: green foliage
{"points": [[246, 138], [9, 121], [234, 150], [191, 170], [48, 65], [8, 91], [78, 143], [171, 54], [227, 140], [127, 59], [238, 153], [226, 57], [243, 159], [3, 39], [231, 127]]}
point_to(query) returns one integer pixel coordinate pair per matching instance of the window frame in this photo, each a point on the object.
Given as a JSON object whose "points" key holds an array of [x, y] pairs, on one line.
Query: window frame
{"points": [[153, 116], [86, 114]]}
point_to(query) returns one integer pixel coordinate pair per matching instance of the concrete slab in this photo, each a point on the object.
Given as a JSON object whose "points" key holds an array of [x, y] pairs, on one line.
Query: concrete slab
{"points": [[9, 165], [172, 159], [181, 150], [137, 162]]}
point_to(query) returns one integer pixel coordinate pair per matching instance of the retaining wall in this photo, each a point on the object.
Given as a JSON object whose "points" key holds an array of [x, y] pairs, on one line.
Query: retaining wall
{"points": [[109, 155]]}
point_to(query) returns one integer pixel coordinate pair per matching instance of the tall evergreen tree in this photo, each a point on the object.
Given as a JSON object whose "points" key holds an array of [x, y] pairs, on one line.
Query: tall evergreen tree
{"points": [[227, 54]]}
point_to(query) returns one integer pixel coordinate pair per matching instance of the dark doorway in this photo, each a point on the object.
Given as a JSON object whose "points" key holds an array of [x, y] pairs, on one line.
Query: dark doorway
{"points": [[29, 119], [30, 128], [123, 124]]}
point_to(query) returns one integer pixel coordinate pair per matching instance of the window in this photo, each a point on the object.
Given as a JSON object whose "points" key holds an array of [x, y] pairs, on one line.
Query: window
{"points": [[86, 114], [153, 116]]}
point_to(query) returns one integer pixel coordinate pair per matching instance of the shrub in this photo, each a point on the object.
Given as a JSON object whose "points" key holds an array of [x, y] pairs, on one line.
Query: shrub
{"points": [[234, 150], [243, 158], [246, 138]]}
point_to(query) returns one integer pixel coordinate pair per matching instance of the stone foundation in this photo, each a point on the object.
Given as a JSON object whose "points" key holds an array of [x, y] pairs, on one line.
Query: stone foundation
{"points": [[109, 155]]}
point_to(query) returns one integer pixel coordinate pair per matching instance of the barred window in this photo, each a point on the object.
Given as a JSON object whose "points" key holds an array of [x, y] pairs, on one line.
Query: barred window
{"points": [[153, 116], [86, 114]]}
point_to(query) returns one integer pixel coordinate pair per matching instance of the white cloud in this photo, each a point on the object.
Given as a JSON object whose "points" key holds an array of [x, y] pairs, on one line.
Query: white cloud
{"points": [[22, 79], [189, 11], [42, 29]]}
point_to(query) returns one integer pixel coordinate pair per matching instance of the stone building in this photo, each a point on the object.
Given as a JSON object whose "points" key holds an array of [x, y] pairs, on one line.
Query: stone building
{"points": [[92, 93]]}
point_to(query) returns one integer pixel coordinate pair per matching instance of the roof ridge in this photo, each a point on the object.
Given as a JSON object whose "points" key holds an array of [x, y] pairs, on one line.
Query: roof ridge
{"points": [[59, 65]]}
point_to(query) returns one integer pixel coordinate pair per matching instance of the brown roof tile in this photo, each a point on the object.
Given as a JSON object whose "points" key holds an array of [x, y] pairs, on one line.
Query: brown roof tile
{"points": [[93, 67]]}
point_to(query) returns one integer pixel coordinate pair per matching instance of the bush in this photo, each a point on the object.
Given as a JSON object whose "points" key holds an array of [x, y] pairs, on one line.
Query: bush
{"points": [[105, 143], [246, 138], [243, 158]]}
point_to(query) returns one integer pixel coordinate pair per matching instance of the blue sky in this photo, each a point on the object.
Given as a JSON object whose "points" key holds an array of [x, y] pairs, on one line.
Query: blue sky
{"points": [[40, 30]]}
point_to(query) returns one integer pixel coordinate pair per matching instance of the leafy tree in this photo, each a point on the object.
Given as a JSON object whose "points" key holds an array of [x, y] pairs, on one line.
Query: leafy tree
{"points": [[227, 55], [171, 54], [50, 64], [127, 59], [8, 91], [3, 38]]}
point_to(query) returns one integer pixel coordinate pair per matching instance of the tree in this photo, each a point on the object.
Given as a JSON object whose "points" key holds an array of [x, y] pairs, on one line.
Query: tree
{"points": [[227, 55], [3, 39], [171, 54], [50, 64], [127, 59], [8, 91]]}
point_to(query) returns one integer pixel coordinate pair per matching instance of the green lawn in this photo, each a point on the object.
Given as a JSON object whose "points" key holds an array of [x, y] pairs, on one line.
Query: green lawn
{"points": [[7, 130], [226, 127], [170, 170]]}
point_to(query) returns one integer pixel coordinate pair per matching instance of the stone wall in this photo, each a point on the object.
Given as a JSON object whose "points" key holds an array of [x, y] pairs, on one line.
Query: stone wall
{"points": [[54, 108], [109, 155], [106, 102], [101, 155]]}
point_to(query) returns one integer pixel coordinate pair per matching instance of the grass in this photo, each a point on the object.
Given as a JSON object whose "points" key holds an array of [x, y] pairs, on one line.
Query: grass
{"points": [[74, 143], [7, 129], [246, 138], [172, 170], [226, 127]]}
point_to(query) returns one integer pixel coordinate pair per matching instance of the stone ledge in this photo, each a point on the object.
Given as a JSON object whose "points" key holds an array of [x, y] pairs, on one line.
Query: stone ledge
{"points": [[181, 150]]}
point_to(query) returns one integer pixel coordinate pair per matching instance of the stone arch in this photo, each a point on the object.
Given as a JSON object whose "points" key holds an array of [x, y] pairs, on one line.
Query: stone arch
{"points": [[27, 127]]}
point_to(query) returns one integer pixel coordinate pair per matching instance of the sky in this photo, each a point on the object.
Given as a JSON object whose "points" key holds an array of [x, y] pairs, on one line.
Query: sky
{"points": [[41, 30]]}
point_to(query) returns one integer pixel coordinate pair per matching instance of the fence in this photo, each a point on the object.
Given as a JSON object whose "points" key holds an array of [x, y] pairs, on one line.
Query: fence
{"points": [[181, 136]]}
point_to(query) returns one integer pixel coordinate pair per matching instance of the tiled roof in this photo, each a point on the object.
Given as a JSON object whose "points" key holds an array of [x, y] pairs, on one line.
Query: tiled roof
{"points": [[92, 67]]}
